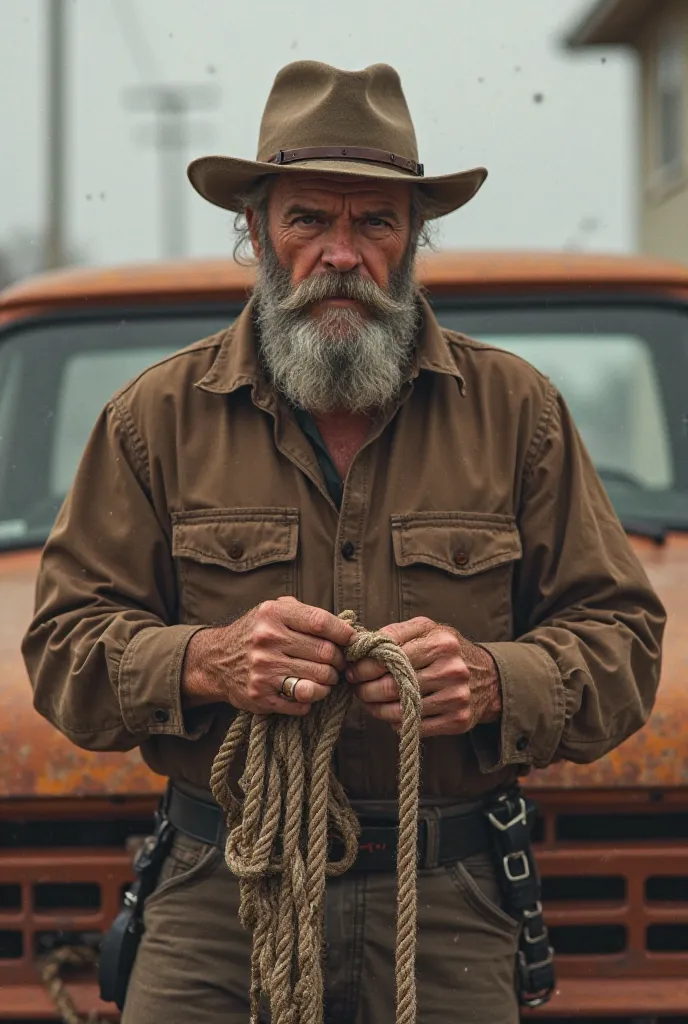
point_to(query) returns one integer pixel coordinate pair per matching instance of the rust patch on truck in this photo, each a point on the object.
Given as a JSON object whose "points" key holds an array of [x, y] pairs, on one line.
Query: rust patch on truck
{"points": [[37, 761]]}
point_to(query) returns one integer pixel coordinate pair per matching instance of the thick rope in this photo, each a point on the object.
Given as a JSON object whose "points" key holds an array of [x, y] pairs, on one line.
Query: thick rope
{"points": [[51, 975], [277, 838]]}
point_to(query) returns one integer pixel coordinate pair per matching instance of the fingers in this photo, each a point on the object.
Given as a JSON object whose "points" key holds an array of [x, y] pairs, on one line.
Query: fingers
{"points": [[306, 691], [403, 632], [451, 700], [424, 643], [312, 649], [326, 675], [304, 618], [379, 691], [365, 670], [451, 724]]}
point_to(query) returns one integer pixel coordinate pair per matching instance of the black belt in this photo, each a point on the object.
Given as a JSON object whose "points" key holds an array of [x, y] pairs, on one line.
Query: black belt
{"points": [[442, 839]]}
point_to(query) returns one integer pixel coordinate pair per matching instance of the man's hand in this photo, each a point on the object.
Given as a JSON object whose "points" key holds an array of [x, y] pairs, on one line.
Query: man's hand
{"points": [[459, 681], [245, 663]]}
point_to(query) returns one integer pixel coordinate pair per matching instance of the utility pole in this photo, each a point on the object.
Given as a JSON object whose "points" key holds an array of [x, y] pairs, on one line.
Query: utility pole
{"points": [[56, 71], [171, 134]]}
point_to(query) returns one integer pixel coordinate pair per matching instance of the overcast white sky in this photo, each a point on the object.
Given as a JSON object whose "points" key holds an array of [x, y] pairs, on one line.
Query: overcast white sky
{"points": [[562, 170]]}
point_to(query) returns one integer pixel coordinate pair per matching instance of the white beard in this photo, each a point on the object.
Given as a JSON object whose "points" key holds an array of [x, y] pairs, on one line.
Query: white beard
{"points": [[340, 359]]}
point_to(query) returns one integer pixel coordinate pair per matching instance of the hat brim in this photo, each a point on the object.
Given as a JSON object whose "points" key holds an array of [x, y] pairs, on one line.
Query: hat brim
{"points": [[223, 180]]}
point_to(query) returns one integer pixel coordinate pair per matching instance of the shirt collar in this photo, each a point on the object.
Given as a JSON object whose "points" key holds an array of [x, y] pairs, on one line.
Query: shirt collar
{"points": [[237, 363]]}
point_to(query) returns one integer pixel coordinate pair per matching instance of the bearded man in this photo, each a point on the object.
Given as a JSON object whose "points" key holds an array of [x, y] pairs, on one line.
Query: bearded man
{"points": [[336, 449]]}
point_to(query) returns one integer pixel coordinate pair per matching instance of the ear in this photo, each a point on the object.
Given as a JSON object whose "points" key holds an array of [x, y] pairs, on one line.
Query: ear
{"points": [[252, 224]]}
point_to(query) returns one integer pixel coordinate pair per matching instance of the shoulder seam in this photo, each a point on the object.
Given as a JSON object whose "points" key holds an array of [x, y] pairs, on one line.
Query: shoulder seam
{"points": [[134, 438], [541, 431]]}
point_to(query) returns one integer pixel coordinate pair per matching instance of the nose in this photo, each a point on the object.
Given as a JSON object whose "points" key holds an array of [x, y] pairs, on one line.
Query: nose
{"points": [[340, 252]]}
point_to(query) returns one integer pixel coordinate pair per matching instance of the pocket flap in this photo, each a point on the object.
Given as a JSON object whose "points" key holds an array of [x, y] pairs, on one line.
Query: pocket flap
{"points": [[238, 539], [461, 543]]}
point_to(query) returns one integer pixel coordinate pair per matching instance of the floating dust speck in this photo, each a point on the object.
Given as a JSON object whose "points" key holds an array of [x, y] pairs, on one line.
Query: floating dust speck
{"points": [[539, 97], [211, 69]]}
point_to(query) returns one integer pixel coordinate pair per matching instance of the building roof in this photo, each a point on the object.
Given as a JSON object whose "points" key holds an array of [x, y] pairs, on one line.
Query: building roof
{"points": [[609, 23]]}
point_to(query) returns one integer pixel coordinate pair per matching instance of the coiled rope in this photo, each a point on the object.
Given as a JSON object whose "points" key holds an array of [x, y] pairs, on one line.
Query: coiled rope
{"points": [[277, 841]]}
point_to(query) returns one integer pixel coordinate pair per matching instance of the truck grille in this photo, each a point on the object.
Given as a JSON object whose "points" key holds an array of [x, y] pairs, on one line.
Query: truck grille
{"points": [[60, 881], [615, 889]]}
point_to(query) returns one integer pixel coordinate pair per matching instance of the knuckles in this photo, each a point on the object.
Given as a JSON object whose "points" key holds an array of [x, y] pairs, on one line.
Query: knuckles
{"points": [[254, 691], [317, 620], [325, 652], [264, 632], [446, 643], [389, 688]]}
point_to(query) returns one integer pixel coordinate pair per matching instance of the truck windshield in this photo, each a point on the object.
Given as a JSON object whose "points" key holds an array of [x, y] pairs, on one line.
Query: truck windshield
{"points": [[622, 370]]}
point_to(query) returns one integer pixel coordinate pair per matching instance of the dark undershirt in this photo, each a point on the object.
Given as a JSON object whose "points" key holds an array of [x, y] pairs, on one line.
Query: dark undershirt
{"points": [[333, 481]]}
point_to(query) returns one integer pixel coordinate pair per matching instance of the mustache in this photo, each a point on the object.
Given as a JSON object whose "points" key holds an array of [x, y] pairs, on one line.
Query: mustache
{"points": [[333, 285]]}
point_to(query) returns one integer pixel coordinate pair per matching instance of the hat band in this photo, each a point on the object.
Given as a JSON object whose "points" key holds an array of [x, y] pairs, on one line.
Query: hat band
{"points": [[357, 153]]}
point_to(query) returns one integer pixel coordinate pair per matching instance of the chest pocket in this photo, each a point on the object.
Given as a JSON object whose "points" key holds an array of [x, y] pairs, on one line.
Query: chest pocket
{"points": [[457, 568], [229, 560]]}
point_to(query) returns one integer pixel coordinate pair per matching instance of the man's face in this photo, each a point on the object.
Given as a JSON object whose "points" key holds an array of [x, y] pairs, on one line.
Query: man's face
{"points": [[336, 299], [318, 225]]}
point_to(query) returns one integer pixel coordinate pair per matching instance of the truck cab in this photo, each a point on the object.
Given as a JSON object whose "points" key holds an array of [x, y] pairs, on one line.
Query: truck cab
{"points": [[611, 837]]}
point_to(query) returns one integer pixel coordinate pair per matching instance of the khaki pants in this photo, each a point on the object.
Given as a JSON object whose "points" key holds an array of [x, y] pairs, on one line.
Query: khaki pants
{"points": [[193, 962]]}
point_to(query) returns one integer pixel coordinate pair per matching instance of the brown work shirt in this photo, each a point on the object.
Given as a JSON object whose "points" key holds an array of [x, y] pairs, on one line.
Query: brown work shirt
{"points": [[473, 502]]}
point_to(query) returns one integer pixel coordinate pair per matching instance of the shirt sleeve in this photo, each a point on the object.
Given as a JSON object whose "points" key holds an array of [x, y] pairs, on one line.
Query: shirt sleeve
{"points": [[103, 652], [582, 674]]}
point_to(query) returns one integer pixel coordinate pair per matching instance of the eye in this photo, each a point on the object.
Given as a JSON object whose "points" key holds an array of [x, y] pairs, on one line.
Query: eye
{"points": [[307, 219], [378, 222]]}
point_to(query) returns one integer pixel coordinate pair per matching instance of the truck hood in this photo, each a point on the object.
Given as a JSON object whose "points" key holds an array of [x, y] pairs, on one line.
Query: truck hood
{"points": [[38, 761]]}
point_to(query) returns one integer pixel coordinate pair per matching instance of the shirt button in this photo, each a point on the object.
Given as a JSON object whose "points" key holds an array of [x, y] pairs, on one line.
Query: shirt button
{"points": [[461, 558], [236, 549], [522, 743], [161, 715], [348, 550]]}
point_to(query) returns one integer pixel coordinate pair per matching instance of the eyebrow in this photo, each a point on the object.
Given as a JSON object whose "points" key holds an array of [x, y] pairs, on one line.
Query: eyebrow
{"points": [[310, 211], [383, 212]]}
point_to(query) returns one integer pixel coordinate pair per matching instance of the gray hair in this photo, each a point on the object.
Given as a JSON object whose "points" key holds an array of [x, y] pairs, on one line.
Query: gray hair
{"points": [[257, 197]]}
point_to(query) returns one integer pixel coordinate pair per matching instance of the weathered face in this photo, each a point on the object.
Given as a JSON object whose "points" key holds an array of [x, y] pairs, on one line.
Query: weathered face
{"points": [[336, 300], [318, 225]]}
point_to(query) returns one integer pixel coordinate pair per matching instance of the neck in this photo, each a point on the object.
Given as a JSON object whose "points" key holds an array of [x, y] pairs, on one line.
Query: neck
{"points": [[344, 433]]}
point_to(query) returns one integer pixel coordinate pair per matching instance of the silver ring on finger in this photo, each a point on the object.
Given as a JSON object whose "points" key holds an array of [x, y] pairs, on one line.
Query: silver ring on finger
{"points": [[288, 687]]}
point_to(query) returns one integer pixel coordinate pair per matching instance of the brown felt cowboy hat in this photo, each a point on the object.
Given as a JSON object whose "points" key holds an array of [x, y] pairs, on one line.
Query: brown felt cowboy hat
{"points": [[324, 120]]}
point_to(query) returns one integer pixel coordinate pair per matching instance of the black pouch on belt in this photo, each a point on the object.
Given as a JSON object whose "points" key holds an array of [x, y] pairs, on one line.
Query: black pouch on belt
{"points": [[121, 942]]}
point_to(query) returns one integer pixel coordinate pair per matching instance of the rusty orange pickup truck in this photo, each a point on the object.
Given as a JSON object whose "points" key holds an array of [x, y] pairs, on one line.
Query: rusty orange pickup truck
{"points": [[612, 837]]}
